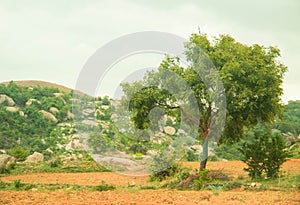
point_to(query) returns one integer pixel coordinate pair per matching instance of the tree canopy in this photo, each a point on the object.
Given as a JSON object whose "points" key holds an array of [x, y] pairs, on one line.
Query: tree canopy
{"points": [[251, 79]]}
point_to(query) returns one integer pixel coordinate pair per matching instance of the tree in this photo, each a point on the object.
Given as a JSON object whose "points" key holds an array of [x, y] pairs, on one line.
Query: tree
{"points": [[251, 76]]}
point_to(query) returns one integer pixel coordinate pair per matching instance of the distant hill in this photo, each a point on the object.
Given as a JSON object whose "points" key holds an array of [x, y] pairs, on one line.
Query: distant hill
{"points": [[38, 83]]}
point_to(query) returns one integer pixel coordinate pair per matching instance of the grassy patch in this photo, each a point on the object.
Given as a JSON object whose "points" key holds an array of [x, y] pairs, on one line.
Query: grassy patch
{"points": [[84, 166], [18, 185], [104, 187]]}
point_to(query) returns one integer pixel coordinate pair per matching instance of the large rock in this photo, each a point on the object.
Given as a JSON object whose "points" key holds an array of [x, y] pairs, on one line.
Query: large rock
{"points": [[6, 161], [169, 130], [30, 101], [74, 144], [105, 107], [49, 116], [12, 109], [54, 110], [70, 115], [9, 101], [35, 157]]}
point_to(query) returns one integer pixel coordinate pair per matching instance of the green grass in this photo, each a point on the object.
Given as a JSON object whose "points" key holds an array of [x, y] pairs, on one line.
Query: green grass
{"points": [[42, 167], [18, 185]]}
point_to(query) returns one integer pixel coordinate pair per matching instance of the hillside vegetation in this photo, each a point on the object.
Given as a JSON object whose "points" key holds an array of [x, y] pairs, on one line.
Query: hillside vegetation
{"points": [[39, 119]]}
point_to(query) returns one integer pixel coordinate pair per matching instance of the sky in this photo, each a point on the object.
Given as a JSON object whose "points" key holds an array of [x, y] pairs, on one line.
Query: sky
{"points": [[52, 40]]}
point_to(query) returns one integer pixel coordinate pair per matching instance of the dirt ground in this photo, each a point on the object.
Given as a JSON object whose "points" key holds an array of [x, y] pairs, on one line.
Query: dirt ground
{"points": [[149, 197], [143, 197]]}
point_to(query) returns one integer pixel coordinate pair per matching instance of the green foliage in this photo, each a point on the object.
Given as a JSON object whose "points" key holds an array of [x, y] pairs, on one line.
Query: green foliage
{"points": [[98, 142], [264, 153], [290, 123], [165, 173], [55, 162], [192, 156], [31, 131], [203, 179], [17, 184], [5, 169], [106, 101], [19, 153], [104, 187], [251, 75], [164, 165], [229, 151]]}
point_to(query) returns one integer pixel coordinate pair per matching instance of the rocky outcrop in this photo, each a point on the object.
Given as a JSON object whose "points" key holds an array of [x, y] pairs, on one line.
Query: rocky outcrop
{"points": [[75, 144], [49, 116], [8, 100], [6, 161], [35, 157], [169, 130]]}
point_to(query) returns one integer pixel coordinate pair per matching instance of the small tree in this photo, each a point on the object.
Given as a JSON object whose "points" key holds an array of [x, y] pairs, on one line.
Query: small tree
{"points": [[264, 152]]}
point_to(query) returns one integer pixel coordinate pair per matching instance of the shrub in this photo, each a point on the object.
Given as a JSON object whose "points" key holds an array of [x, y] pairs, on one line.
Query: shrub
{"points": [[165, 165], [19, 153], [6, 168], [202, 180], [17, 184], [104, 187], [264, 153], [192, 156], [55, 162]]}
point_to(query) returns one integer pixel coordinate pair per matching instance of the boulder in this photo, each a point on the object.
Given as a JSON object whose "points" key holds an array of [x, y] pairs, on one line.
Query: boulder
{"points": [[12, 109], [49, 150], [6, 161], [58, 94], [181, 132], [70, 115], [21, 113], [53, 110], [30, 101], [75, 144], [105, 107], [9, 101], [90, 122], [169, 130], [49, 116], [35, 157]]}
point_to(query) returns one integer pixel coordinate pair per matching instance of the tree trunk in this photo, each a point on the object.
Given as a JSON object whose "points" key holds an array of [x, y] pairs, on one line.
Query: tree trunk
{"points": [[204, 156]]}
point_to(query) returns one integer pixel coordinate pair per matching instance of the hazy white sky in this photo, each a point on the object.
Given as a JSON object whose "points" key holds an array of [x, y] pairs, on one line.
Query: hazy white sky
{"points": [[52, 40]]}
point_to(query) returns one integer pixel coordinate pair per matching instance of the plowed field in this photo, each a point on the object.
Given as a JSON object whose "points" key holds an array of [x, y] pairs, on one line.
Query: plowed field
{"points": [[143, 197]]}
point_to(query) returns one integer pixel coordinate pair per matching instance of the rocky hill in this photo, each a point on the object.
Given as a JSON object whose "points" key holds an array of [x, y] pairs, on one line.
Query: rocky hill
{"points": [[37, 119]]}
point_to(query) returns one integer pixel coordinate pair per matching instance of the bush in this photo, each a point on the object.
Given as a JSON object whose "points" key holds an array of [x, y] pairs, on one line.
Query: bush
{"points": [[165, 165], [192, 156], [202, 180], [264, 153], [19, 153], [6, 168], [55, 162], [104, 187], [17, 184]]}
